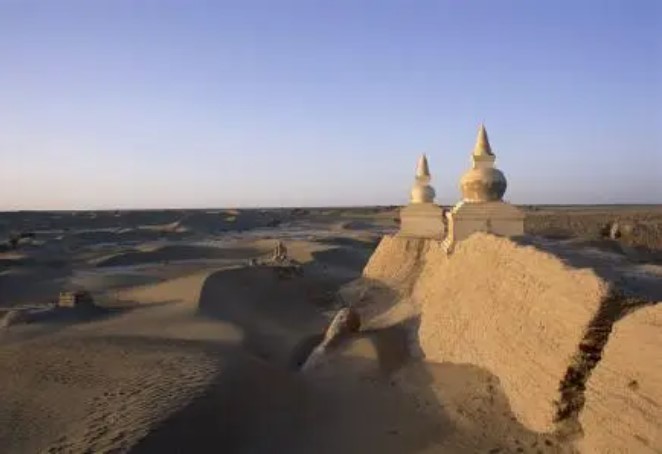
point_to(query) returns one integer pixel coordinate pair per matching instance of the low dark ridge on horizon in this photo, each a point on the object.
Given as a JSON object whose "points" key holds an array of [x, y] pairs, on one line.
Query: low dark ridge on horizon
{"points": [[331, 207]]}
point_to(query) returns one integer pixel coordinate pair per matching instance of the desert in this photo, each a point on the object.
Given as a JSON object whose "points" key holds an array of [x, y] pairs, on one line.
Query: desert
{"points": [[260, 226], [198, 336]]}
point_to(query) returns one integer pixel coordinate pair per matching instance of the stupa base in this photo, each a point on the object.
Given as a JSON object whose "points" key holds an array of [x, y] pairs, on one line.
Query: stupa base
{"points": [[422, 220], [498, 218]]}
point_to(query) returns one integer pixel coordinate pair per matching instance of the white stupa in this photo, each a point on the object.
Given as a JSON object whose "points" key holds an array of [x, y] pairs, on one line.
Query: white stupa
{"points": [[422, 218], [482, 208]]}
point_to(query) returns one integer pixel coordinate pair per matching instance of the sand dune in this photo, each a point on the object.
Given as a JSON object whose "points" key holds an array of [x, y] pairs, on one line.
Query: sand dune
{"points": [[185, 289], [31, 284], [171, 253], [276, 314], [250, 320], [223, 314], [191, 331]]}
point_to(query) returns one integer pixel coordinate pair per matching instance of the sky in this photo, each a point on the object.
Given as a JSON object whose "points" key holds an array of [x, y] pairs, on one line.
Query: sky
{"points": [[174, 104]]}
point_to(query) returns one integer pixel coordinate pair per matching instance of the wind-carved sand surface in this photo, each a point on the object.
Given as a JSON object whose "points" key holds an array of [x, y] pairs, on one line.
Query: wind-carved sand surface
{"points": [[199, 340]]}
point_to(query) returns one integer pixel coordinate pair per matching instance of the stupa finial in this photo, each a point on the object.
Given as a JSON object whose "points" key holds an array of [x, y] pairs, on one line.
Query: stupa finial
{"points": [[482, 147], [422, 169]]}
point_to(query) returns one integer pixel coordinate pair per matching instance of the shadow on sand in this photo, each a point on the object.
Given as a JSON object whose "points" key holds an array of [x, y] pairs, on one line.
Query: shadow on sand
{"points": [[354, 405], [274, 312], [368, 396]]}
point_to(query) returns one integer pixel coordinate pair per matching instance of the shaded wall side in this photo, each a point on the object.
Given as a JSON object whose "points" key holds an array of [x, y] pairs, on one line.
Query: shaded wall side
{"points": [[514, 310], [623, 410]]}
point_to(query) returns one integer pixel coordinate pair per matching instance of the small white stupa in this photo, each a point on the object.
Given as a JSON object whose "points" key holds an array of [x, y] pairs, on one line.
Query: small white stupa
{"points": [[482, 208], [422, 218]]}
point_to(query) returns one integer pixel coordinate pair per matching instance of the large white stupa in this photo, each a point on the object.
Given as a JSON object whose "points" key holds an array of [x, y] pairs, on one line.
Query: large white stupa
{"points": [[482, 207]]}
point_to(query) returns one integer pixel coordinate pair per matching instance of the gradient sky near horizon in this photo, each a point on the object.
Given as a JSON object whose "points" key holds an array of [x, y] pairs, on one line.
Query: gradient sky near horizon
{"points": [[148, 104]]}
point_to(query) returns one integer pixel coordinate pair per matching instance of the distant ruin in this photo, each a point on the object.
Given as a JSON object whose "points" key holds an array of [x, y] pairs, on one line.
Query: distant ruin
{"points": [[75, 299]]}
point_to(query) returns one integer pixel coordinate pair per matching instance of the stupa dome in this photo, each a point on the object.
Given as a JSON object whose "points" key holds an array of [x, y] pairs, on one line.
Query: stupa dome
{"points": [[483, 183], [422, 194]]}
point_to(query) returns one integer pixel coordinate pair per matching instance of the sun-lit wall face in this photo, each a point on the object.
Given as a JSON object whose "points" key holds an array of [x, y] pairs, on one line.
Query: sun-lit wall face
{"points": [[153, 104]]}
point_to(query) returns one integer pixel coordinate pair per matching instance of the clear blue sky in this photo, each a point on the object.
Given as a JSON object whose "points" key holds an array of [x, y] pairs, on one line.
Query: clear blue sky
{"points": [[137, 103]]}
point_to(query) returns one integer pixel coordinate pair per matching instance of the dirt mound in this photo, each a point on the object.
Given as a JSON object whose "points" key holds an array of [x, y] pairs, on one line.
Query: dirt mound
{"points": [[535, 315], [623, 411], [381, 295], [185, 289], [519, 312], [275, 312]]}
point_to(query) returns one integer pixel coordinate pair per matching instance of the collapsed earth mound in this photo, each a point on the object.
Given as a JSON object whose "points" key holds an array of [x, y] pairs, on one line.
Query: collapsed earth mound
{"points": [[623, 396], [536, 317]]}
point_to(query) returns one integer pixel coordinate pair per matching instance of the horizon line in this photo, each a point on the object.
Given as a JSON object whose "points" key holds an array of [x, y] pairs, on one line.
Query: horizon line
{"points": [[316, 207]]}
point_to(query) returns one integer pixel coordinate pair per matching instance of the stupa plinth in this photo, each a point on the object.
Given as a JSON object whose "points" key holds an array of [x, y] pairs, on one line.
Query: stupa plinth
{"points": [[482, 208], [422, 218]]}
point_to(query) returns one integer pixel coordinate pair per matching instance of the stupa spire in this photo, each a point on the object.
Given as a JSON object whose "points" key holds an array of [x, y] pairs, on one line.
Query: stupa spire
{"points": [[422, 169], [482, 147]]}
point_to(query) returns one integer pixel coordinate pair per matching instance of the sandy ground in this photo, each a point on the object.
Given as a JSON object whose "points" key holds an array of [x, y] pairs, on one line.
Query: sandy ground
{"points": [[193, 350]]}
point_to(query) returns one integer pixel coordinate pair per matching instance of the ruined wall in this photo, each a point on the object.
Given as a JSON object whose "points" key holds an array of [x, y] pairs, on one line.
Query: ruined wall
{"points": [[537, 316], [382, 295], [623, 411], [517, 311]]}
